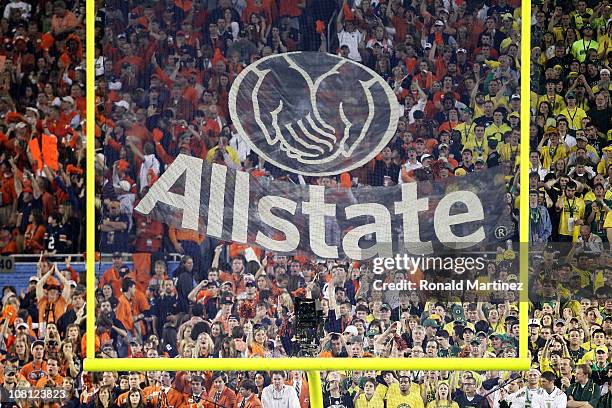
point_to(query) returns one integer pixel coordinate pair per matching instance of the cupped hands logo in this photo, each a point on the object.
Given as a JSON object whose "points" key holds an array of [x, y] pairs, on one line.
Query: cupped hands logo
{"points": [[313, 113]]}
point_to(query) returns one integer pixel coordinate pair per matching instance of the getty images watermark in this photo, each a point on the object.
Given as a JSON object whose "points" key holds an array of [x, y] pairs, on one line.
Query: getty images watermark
{"points": [[432, 268]]}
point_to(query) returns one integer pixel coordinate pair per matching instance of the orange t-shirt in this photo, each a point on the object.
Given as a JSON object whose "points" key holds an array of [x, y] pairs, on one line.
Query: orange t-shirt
{"points": [[42, 383], [34, 372], [124, 313], [50, 313]]}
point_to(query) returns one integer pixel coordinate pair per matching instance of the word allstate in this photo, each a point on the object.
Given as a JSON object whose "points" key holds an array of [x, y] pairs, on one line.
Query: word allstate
{"points": [[282, 217]]}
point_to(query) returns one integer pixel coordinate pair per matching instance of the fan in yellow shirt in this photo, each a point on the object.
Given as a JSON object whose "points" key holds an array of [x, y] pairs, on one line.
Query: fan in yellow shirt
{"points": [[498, 128], [368, 398], [572, 211], [478, 144], [511, 151], [606, 160], [572, 112], [554, 149], [399, 394], [556, 101], [443, 397]]}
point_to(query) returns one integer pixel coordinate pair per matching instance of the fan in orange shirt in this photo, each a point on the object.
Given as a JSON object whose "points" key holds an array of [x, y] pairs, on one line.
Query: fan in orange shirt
{"points": [[53, 379], [37, 368], [51, 305]]}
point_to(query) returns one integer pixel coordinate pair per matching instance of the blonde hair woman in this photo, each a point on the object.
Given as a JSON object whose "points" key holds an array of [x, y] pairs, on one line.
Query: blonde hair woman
{"points": [[187, 349], [204, 346], [184, 332], [443, 397]]}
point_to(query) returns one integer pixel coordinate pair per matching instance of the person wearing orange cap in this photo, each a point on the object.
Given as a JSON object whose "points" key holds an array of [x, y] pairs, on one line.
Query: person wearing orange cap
{"points": [[51, 302]]}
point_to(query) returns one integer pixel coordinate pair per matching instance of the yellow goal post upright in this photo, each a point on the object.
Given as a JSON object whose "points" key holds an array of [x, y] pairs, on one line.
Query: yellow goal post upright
{"points": [[312, 366]]}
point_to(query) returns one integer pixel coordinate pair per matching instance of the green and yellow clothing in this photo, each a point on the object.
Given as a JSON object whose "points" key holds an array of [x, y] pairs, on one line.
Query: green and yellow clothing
{"points": [[580, 20], [603, 40], [501, 101], [572, 209], [375, 402], [442, 404], [478, 148], [467, 131], [574, 117], [507, 152], [590, 392], [580, 48], [602, 166], [590, 197], [496, 132], [551, 154], [556, 101], [395, 398]]}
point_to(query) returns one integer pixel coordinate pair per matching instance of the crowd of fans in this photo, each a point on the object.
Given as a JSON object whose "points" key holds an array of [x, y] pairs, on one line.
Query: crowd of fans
{"points": [[42, 113], [163, 74]]}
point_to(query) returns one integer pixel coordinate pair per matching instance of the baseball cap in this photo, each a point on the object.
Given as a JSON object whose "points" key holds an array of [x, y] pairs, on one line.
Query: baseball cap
{"points": [[582, 137], [427, 45], [534, 322], [516, 96], [559, 322], [430, 323], [439, 23], [33, 279], [226, 301], [425, 156], [603, 349], [123, 104], [352, 330], [570, 94], [124, 185], [385, 306], [462, 50], [37, 343], [9, 370], [442, 146], [20, 325], [68, 99]]}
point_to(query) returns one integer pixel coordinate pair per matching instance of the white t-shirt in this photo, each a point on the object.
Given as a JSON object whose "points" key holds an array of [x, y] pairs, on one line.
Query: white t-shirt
{"points": [[556, 399], [351, 40], [286, 398]]}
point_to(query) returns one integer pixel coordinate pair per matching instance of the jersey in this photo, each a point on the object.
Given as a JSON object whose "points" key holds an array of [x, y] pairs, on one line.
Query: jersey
{"points": [[55, 239], [395, 399], [573, 210]]}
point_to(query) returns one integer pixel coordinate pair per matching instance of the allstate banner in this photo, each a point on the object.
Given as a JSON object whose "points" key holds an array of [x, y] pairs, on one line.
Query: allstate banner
{"points": [[358, 223]]}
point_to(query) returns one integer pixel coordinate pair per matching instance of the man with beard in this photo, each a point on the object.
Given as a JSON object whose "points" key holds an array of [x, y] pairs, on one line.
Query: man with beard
{"points": [[108, 324]]}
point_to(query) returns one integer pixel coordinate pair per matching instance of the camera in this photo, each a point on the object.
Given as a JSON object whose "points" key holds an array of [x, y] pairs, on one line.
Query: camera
{"points": [[308, 327]]}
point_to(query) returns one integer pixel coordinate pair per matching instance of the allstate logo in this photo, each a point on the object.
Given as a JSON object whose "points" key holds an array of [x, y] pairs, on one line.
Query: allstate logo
{"points": [[313, 113]]}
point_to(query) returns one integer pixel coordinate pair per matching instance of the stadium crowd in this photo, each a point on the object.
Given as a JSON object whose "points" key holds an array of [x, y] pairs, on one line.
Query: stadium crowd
{"points": [[42, 110], [163, 74]]}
